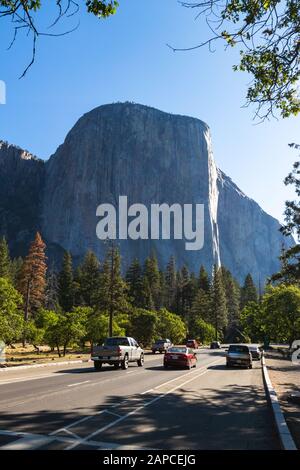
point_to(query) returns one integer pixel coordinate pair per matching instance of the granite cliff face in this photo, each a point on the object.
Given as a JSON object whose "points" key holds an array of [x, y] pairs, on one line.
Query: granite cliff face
{"points": [[21, 185], [151, 157]]}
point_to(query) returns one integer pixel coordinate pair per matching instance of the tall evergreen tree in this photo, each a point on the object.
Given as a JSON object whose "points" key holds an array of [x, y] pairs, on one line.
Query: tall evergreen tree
{"points": [[16, 271], [4, 259], [200, 309], [152, 276], [148, 302], [170, 283], [134, 279], [218, 303], [66, 283], [89, 279], [33, 277], [51, 292], [204, 283], [232, 292], [248, 292], [113, 292]]}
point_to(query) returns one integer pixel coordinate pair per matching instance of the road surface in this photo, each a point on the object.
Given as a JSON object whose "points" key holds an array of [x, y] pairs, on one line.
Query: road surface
{"points": [[75, 407]]}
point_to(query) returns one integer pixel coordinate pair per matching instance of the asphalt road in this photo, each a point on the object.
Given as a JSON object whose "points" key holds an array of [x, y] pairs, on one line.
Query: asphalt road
{"points": [[75, 407]]}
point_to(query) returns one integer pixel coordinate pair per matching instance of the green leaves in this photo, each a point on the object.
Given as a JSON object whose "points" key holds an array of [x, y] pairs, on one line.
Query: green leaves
{"points": [[102, 9], [268, 34]]}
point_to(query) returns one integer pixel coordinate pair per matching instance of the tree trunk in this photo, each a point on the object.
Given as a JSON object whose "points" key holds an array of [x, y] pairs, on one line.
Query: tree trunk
{"points": [[26, 311], [58, 350]]}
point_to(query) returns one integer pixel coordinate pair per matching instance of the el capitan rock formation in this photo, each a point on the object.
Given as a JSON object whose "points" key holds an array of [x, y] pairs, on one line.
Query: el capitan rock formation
{"points": [[152, 157]]}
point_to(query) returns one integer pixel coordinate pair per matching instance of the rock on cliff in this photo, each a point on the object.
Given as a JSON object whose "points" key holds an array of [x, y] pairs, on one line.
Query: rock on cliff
{"points": [[151, 157], [21, 185]]}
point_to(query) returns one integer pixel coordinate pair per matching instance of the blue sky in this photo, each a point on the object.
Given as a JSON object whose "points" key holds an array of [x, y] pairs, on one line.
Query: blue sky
{"points": [[126, 58]]}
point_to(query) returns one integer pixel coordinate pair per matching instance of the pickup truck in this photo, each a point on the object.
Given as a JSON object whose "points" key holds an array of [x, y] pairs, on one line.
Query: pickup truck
{"points": [[118, 351]]}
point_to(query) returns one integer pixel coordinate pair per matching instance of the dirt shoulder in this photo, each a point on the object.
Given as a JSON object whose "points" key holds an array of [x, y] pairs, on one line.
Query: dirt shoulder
{"points": [[285, 377]]}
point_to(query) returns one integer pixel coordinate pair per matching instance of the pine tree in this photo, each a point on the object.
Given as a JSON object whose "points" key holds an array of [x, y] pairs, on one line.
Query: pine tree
{"points": [[148, 302], [16, 271], [248, 292], [66, 283], [232, 292], [134, 279], [203, 280], [218, 302], [162, 293], [188, 292], [113, 292], [51, 292], [151, 274], [88, 277], [200, 309], [4, 259], [170, 284], [33, 277]]}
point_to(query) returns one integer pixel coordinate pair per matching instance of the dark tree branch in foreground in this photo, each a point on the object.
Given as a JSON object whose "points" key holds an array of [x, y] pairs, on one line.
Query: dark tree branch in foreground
{"points": [[23, 15], [268, 35]]}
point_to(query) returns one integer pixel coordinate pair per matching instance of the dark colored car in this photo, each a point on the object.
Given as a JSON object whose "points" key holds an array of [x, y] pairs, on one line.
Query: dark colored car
{"points": [[192, 343], [180, 356], [239, 355], [215, 345], [255, 352]]}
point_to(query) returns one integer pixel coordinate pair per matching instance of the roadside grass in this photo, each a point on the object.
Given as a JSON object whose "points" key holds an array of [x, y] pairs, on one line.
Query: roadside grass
{"points": [[19, 355]]}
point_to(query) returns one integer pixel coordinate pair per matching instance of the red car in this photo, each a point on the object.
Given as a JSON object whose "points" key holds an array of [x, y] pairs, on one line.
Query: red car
{"points": [[192, 343], [180, 356]]}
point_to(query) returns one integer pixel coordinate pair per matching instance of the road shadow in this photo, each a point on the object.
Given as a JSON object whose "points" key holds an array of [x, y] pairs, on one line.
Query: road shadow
{"points": [[92, 370], [233, 417]]}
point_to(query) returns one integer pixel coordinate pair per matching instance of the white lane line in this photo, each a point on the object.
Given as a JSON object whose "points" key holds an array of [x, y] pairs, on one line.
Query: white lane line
{"points": [[147, 391], [28, 379], [79, 383], [27, 443], [82, 420], [67, 431], [131, 413]]}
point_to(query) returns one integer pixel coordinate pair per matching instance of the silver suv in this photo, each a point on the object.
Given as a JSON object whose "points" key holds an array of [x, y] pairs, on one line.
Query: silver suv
{"points": [[161, 345], [239, 355]]}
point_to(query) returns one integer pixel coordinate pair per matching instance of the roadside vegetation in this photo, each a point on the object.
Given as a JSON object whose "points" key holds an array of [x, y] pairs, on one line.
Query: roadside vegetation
{"points": [[65, 311], [72, 308]]}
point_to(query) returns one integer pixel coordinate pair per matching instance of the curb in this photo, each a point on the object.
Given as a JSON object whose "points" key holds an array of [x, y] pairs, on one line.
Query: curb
{"points": [[45, 364], [285, 437]]}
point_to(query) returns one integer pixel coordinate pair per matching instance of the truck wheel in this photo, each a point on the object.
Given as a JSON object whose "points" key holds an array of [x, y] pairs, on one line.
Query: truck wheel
{"points": [[97, 365], [140, 362], [250, 366], [125, 362]]}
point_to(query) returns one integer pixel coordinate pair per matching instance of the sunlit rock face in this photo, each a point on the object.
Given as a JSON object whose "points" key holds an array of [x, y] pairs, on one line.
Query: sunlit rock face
{"points": [[151, 157]]}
